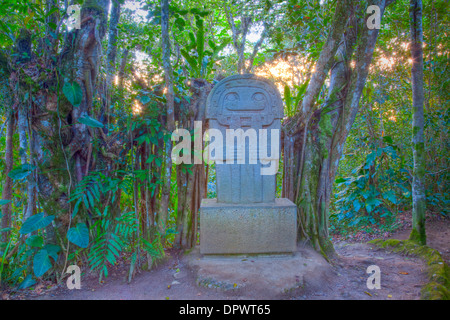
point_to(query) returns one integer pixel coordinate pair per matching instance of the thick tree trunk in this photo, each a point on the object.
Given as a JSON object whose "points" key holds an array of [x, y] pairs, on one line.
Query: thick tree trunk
{"points": [[62, 145], [314, 138], [170, 125], [418, 184], [7, 187]]}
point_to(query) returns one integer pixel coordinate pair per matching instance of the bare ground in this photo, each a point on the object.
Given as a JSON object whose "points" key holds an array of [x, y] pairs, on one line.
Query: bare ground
{"points": [[401, 277]]}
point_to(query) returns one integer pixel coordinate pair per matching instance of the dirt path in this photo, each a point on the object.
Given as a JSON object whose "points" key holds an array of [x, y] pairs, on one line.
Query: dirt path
{"points": [[401, 277], [438, 236]]}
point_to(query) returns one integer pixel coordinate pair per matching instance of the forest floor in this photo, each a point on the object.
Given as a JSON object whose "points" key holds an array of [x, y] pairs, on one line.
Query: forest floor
{"points": [[401, 276]]}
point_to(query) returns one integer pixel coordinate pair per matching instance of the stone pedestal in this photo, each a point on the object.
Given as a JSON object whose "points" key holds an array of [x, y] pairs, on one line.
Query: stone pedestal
{"points": [[255, 228]]}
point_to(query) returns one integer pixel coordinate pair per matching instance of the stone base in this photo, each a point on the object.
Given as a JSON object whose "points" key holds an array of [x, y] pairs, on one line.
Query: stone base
{"points": [[248, 228], [263, 276]]}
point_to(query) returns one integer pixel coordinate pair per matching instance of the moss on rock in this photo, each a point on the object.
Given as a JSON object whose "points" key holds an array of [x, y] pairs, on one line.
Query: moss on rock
{"points": [[438, 287]]}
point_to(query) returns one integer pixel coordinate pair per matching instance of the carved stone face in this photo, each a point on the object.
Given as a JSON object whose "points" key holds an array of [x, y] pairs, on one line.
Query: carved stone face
{"points": [[244, 99], [244, 102]]}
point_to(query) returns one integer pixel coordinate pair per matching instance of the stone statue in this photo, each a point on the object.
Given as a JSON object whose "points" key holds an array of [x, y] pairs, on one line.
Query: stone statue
{"points": [[246, 217]]}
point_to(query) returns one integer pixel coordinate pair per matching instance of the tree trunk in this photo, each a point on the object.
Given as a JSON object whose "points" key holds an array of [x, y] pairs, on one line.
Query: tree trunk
{"points": [[123, 63], [7, 187], [31, 179], [314, 138], [23, 149], [192, 185], [169, 93], [62, 145], [418, 184], [112, 42], [111, 54]]}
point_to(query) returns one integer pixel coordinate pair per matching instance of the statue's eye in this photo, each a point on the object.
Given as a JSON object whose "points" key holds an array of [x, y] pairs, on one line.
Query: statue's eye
{"points": [[258, 96], [231, 97]]}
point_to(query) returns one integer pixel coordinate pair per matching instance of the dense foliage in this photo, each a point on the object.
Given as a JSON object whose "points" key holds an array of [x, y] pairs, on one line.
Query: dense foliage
{"points": [[105, 198]]}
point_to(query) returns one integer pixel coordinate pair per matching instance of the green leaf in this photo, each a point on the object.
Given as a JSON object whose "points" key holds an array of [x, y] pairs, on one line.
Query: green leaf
{"points": [[79, 235], [76, 207], [180, 23], [222, 46], [73, 93], [20, 172], [52, 250], [200, 41], [370, 159], [52, 11], [388, 139], [203, 13], [145, 99], [141, 139], [41, 263], [287, 98], [35, 241], [301, 91], [91, 122], [52, 25], [2, 202], [27, 282], [390, 195], [91, 199], [36, 222], [372, 203], [150, 158], [192, 62], [356, 205]]}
